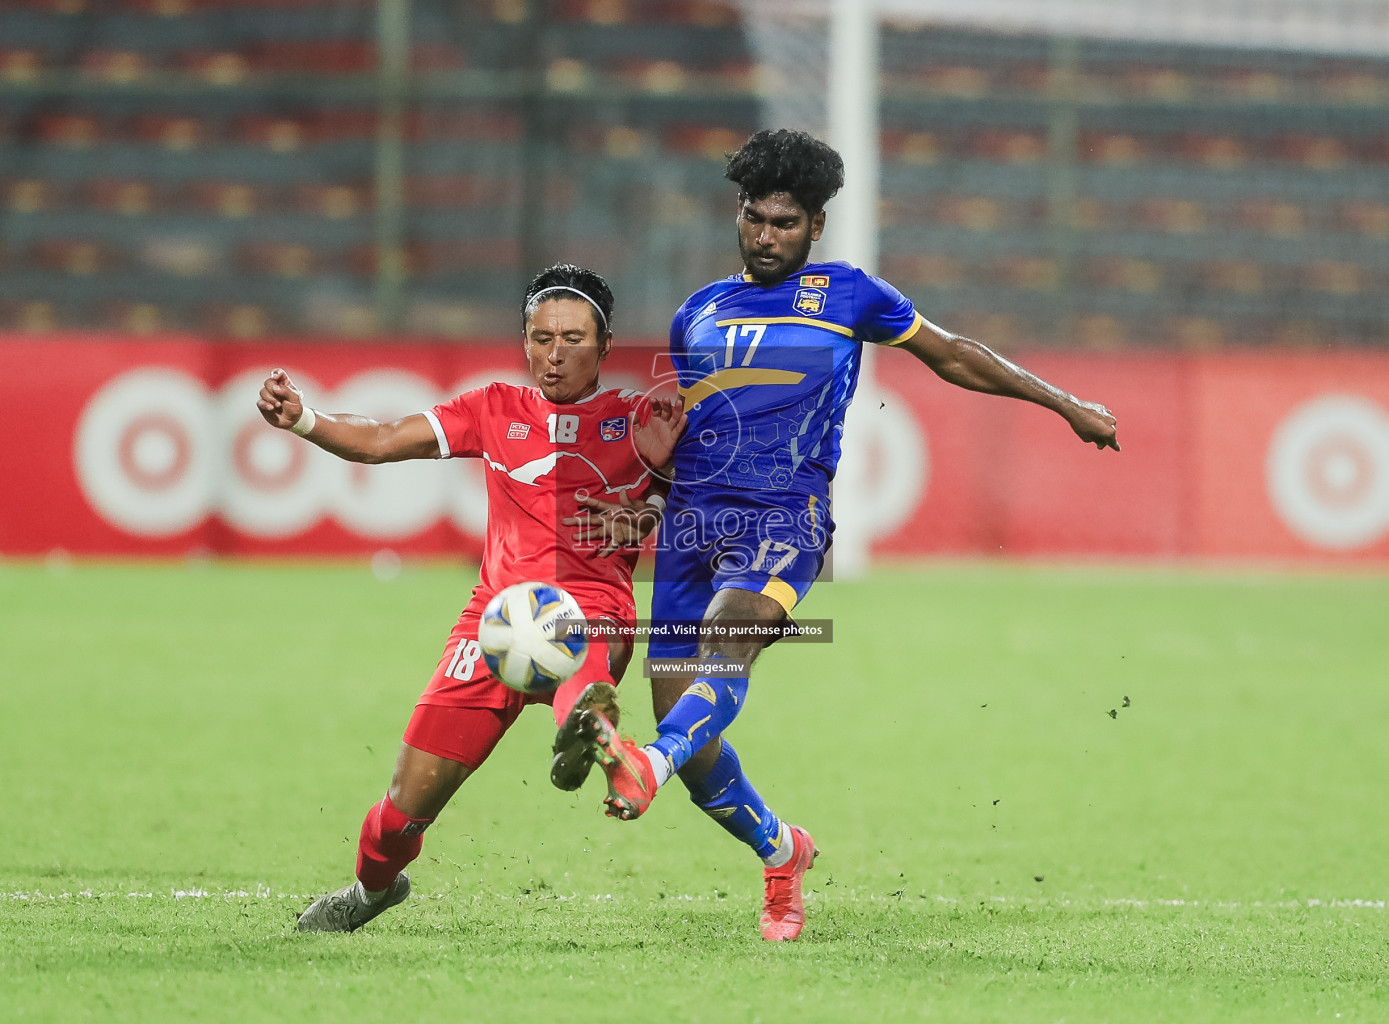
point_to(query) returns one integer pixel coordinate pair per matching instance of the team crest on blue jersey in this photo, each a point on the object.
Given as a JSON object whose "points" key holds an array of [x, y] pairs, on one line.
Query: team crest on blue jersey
{"points": [[811, 301], [614, 429]]}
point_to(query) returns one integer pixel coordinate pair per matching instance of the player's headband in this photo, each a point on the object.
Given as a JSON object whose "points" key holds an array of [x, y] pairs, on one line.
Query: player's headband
{"points": [[535, 301]]}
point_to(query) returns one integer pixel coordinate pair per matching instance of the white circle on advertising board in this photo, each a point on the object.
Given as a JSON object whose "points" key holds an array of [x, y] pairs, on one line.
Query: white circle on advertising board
{"points": [[144, 453], [1328, 472], [270, 483], [397, 499]]}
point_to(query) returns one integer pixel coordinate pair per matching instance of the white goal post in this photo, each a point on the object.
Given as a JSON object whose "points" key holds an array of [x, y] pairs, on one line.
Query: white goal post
{"points": [[819, 60]]}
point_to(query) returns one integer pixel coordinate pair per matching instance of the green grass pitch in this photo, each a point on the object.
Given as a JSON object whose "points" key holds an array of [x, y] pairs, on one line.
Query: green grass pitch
{"points": [[1041, 794]]}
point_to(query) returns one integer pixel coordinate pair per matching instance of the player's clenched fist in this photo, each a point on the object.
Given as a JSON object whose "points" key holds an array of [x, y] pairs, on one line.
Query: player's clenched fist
{"points": [[1094, 424], [280, 402]]}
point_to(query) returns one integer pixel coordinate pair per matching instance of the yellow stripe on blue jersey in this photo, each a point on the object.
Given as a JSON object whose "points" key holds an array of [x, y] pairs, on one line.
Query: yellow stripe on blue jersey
{"points": [[848, 332], [768, 371], [735, 377], [909, 333]]}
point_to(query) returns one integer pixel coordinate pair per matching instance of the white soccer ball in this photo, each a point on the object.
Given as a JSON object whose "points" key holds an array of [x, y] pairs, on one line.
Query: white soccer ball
{"points": [[526, 638]]}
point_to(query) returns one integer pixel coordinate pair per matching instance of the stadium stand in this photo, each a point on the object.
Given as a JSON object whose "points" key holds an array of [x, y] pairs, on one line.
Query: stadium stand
{"points": [[1191, 173], [214, 164]]}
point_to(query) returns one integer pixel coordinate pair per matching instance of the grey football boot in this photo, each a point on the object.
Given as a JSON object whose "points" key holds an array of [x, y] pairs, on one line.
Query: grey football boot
{"points": [[573, 754], [348, 909]]}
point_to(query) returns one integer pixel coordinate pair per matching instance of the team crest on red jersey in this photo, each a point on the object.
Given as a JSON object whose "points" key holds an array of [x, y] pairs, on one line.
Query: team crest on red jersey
{"points": [[614, 429], [518, 431]]}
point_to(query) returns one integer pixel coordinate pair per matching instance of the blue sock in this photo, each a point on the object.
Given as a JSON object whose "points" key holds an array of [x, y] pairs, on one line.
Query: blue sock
{"points": [[726, 795], [703, 711]]}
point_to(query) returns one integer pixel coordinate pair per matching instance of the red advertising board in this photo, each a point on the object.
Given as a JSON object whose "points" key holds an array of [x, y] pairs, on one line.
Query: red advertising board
{"points": [[122, 446], [1291, 456], [157, 448], [1011, 478]]}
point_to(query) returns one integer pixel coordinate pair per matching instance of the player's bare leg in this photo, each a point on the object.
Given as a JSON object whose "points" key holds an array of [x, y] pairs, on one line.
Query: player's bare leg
{"points": [[421, 785], [718, 787], [664, 693], [694, 717], [668, 696]]}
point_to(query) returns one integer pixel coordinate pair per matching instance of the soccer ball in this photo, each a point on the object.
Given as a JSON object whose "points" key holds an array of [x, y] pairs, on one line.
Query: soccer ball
{"points": [[520, 639]]}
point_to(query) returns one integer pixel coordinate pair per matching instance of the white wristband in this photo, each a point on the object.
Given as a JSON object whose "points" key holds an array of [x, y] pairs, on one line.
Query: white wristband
{"points": [[304, 423], [657, 501]]}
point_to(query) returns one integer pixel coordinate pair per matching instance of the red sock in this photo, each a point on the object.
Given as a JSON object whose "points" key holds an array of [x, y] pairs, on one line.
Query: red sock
{"points": [[389, 841], [566, 697], [568, 693]]}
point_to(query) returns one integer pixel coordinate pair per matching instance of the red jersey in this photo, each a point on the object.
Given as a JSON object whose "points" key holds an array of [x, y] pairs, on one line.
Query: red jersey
{"points": [[540, 458]]}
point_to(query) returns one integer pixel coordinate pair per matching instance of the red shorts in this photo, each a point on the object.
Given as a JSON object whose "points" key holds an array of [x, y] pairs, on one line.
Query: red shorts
{"points": [[466, 735], [465, 710]]}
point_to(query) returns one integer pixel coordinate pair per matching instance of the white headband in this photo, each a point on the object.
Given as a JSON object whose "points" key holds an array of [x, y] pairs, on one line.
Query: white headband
{"points": [[534, 303]]}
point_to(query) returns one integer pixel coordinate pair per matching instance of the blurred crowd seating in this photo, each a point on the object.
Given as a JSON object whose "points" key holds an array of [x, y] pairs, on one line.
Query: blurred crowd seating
{"points": [[1212, 197], [212, 165]]}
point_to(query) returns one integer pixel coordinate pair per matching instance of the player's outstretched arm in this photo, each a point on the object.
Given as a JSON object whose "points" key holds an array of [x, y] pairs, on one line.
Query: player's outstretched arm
{"points": [[968, 364], [348, 436]]}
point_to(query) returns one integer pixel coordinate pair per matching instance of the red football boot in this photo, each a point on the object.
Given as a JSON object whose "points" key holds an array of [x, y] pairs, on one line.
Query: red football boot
{"points": [[783, 907], [631, 782]]}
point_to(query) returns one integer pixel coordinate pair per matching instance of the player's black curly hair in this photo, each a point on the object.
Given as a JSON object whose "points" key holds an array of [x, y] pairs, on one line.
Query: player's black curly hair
{"points": [[579, 279], [787, 161]]}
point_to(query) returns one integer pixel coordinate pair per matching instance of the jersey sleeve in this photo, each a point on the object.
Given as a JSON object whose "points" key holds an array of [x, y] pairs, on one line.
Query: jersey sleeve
{"points": [[457, 424], [677, 336], [679, 353], [884, 315]]}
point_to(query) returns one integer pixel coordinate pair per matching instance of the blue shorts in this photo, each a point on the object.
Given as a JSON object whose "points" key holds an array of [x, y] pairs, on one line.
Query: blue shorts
{"points": [[769, 542]]}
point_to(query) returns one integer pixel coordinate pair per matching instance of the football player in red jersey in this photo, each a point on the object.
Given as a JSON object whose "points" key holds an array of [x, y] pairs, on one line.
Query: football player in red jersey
{"points": [[543, 448]]}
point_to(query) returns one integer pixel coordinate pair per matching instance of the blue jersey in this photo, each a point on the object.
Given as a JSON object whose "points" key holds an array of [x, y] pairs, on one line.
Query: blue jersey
{"points": [[767, 373]]}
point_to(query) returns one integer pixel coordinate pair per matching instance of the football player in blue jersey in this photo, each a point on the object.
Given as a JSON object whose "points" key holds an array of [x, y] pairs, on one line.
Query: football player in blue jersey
{"points": [[767, 362]]}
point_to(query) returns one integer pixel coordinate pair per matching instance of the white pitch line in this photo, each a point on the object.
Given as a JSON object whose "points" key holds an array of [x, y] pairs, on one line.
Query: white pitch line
{"points": [[265, 893]]}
